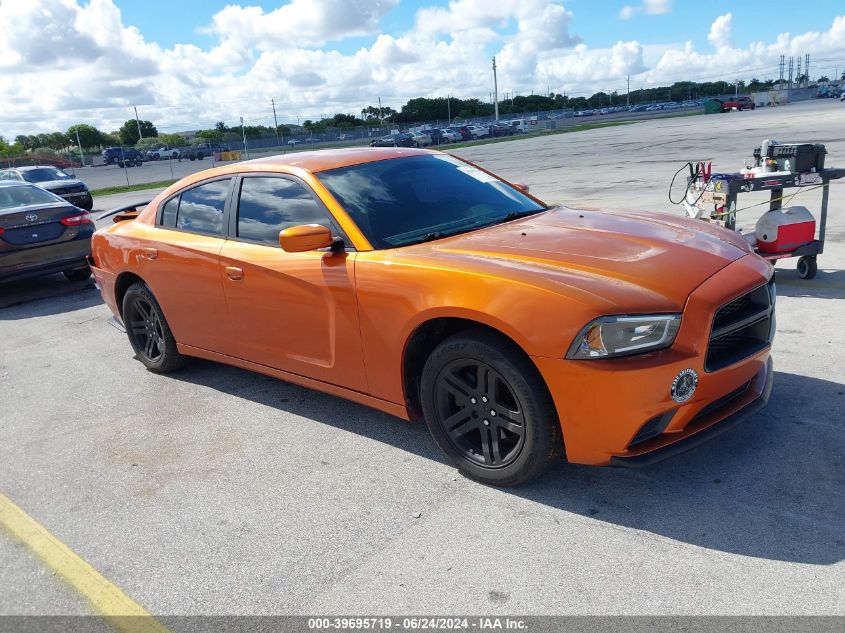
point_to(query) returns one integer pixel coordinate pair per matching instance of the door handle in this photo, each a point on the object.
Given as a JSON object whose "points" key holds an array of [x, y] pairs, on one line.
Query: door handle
{"points": [[150, 253], [233, 273]]}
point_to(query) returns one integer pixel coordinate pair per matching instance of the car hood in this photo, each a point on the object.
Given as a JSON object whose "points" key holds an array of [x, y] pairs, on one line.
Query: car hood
{"points": [[58, 184], [629, 261]]}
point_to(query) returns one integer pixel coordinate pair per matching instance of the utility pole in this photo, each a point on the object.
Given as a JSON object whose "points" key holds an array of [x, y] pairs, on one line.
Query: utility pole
{"points": [[628, 94], [798, 74], [791, 62], [380, 118], [807, 67], [243, 134], [275, 120], [495, 91], [138, 121], [782, 63], [449, 108], [81, 155]]}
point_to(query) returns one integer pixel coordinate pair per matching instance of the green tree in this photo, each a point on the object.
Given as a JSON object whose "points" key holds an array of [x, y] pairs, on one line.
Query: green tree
{"points": [[89, 136], [153, 142], [173, 140], [128, 132], [211, 135]]}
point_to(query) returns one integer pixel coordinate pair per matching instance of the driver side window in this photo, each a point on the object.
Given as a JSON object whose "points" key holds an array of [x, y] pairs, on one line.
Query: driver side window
{"points": [[269, 205]]}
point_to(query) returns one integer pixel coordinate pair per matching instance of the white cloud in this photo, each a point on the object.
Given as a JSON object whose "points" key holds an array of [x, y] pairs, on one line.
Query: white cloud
{"points": [[627, 12], [649, 7], [720, 32], [87, 65], [657, 7]]}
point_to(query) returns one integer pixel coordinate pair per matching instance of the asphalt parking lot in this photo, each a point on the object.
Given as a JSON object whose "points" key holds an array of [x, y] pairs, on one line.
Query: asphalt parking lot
{"points": [[217, 491]]}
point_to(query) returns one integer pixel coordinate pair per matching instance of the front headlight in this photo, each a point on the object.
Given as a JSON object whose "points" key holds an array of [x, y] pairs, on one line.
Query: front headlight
{"points": [[612, 336]]}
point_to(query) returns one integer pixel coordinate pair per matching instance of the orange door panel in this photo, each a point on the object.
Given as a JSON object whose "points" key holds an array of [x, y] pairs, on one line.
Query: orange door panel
{"points": [[295, 311], [183, 271]]}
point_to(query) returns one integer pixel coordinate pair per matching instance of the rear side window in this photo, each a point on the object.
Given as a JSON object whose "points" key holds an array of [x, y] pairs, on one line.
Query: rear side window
{"points": [[168, 212], [201, 208], [269, 205]]}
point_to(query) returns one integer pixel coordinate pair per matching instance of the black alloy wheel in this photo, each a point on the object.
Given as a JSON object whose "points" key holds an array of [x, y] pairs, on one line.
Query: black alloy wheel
{"points": [[489, 409], [145, 329], [148, 331], [480, 413]]}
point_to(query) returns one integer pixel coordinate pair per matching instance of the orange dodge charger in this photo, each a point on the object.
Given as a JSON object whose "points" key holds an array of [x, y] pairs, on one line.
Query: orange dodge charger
{"points": [[422, 285]]}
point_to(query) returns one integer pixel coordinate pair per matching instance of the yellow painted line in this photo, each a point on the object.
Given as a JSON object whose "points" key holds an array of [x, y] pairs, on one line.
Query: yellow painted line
{"points": [[106, 598]]}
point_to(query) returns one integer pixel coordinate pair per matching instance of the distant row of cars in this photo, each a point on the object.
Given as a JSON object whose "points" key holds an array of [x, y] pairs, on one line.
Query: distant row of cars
{"points": [[642, 107], [451, 134], [129, 156]]}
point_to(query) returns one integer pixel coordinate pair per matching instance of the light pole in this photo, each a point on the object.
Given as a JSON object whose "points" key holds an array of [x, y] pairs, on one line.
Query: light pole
{"points": [[495, 92], [243, 134], [138, 121]]}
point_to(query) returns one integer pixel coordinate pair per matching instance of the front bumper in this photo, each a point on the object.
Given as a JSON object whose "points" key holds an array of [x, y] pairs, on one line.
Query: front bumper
{"points": [[690, 441], [604, 405]]}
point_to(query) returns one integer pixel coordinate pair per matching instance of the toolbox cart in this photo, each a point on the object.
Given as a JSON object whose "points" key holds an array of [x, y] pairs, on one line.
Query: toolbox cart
{"points": [[714, 196]]}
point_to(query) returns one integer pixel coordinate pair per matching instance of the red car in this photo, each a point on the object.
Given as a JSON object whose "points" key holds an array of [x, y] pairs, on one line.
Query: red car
{"points": [[739, 103]]}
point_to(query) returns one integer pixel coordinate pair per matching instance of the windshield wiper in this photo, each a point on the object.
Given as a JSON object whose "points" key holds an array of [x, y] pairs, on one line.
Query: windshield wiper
{"points": [[515, 215], [436, 235]]}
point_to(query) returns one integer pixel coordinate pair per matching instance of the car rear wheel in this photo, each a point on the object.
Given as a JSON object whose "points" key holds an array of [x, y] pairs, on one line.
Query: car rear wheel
{"points": [[489, 410], [148, 331], [78, 274]]}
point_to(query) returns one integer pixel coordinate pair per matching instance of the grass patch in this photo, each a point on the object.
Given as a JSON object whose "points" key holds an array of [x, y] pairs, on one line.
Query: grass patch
{"points": [[107, 191]]}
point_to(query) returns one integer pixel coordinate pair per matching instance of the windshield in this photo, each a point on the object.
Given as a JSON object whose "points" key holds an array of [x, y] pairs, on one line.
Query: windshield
{"points": [[44, 174], [415, 199], [11, 197]]}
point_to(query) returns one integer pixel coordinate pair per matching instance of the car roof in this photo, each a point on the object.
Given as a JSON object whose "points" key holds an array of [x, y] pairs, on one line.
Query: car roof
{"points": [[16, 183], [324, 159], [31, 167]]}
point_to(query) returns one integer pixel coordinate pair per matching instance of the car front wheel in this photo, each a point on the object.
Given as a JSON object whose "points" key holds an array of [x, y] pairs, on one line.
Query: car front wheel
{"points": [[489, 410], [148, 331]]}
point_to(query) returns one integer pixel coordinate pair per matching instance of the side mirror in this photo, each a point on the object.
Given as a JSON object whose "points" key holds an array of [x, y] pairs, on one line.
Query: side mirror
{"points": [[522, 187], [305, 237]]}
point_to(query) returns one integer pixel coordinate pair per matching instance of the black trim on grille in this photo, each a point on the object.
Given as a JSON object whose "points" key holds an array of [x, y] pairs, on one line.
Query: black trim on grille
{"points": [[742, 327]]}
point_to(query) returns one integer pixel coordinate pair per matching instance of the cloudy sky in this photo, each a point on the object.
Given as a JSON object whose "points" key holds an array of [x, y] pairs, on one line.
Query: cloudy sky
{"points": [[189, 63]]}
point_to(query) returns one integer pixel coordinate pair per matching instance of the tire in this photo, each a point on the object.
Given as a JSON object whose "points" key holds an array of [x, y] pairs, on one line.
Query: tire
{"points": [[87, 204], [489, 410], [807, 267], [148, 331], [138, 162], [200, 155], [78, 274]]}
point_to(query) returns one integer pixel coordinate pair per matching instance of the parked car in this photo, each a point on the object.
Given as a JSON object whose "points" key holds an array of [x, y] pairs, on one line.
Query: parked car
{"points": [[164, 153], [428, 288], [479, 131], [449, 135], [738, 103], [121, 156], [421, 139], [41, 234], [435, 134], [462, 131], [295, 141], [393, 140], [198, 152], [499, 129], [53, 180], [345, 137]]}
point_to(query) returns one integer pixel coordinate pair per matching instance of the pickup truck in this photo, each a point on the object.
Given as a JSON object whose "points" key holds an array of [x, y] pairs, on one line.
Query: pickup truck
{"points": [[198, 152], [738, 103], [119, 155]]}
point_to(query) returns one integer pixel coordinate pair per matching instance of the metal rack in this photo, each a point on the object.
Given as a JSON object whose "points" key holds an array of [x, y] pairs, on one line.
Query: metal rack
{"points": [[721, 191]]}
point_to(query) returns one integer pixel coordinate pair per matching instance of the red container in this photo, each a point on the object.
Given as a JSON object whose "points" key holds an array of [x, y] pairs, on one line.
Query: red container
{"points": [[784, 230]]}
